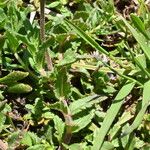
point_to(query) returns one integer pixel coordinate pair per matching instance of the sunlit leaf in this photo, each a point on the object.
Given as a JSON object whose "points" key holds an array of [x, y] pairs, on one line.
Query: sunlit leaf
{"points": [[13, 77], [100, 134], [20, 88], [62, 85]]}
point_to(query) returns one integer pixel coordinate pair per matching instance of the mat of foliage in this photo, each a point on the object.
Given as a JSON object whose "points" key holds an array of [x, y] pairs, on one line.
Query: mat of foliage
{"points": [[97, 93]]}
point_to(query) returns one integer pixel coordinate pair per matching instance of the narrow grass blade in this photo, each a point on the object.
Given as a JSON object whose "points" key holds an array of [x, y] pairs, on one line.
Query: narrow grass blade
{"points": [[139, 25], [145, 104], [140, 39], [110, 116], [87, 38], [146, 93], [136, 122], [93, 43]]}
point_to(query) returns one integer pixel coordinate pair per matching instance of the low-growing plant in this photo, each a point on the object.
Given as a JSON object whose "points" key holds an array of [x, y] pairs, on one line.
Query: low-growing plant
{"points": [[74, 75]]}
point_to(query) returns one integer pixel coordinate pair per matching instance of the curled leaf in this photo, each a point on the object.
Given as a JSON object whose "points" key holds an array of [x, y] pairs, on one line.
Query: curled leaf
{"points": [[13, 77], [20, 88]]}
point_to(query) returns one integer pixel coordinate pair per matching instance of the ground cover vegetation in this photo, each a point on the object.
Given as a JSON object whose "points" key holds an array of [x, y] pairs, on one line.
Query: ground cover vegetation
{"points": [[75, 75]]}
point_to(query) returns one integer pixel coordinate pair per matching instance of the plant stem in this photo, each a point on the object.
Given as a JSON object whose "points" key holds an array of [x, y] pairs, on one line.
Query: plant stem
{"points": [[42, 34], [42, 20], [69, 124]]}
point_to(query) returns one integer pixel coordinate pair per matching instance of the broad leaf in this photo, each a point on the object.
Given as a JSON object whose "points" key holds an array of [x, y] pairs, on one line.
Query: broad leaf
{"points": [[13, 77], [81, 104], [20, 88], [2, 105], [69, 58], [29, 139], [59, 126], [107, 146], [82, 122], [26, 140], [12, 41], [62, 85], [32, 48]]}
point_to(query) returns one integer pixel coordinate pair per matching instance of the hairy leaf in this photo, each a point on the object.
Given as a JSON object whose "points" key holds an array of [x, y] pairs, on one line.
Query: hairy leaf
{"points": [[62, 86], [13, 77], [79, 105], [59, 126], [20, 88]]}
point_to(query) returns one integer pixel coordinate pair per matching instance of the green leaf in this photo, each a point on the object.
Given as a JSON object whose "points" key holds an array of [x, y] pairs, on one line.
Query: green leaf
{"points": [[13, 77], [87, 38], [139, 25], [20, 88], [53, 4], [136, 122], [38, 108], [141, 60], [69, 58], [145, 103], [35, 147], [40, 147], [126, 116], [31, 46], [81, 14], [82, 122], [109, 118], [75, 146], [40, 55], [29, 139], [140, 39], [2, 17], [26, 140], [139, 143], [12, 41], [59, 126], [13, 138], [81, 104], [2, 105], [3, 3], [47, 43], [107, 146], [1, 95], [2, 121], [146, 93], [62, 85], [60, 106]]}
